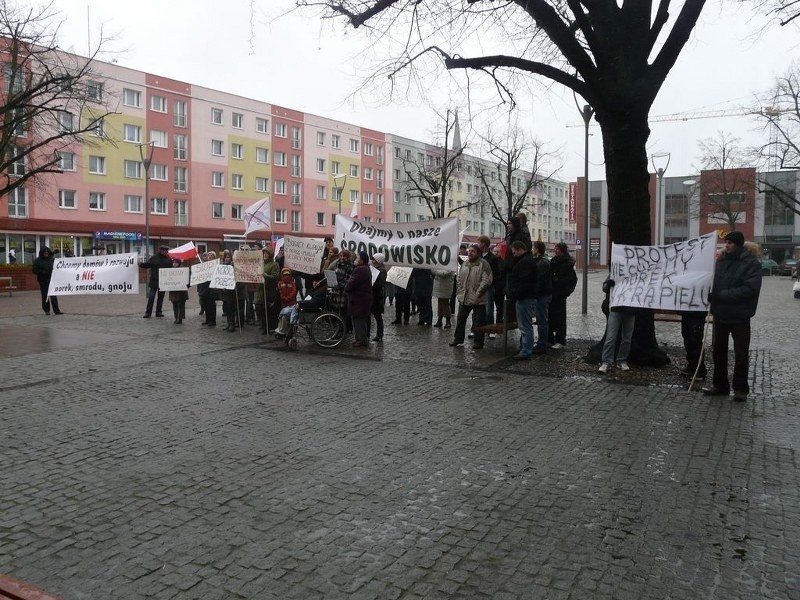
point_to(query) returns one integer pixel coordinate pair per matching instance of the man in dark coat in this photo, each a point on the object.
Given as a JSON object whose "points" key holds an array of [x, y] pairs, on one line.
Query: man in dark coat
{"points": [[544, 294], [564, 278], [521, 284], [734, 299], [43, 269], [154, 263], [422, 281]]}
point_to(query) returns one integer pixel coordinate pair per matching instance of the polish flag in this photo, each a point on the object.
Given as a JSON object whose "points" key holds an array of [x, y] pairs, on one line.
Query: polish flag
{"points": [[185, 252], [354, 211]]}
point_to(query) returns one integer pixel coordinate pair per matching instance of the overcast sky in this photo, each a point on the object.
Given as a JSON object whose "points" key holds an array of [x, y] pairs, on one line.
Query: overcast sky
{"points": [[297, 61]]}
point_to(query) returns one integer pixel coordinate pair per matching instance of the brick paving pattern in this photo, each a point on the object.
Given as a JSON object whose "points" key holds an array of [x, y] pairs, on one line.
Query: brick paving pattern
{"points": [[142, 459]]}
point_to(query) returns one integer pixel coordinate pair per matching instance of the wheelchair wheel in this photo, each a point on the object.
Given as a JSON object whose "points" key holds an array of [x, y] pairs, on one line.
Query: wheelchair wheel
{"points": [[292, 344], [327, 330]]}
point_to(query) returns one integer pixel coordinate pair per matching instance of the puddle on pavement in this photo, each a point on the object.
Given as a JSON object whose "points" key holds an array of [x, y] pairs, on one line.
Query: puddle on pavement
{"points": [[20, 341]]}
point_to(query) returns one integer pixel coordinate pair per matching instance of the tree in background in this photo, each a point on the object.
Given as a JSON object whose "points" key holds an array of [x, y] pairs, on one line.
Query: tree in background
{"points": [[48, 99]]}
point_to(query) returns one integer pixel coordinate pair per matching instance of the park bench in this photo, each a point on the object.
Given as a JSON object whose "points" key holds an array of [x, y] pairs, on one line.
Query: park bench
{"points": [[12, 589], [7, 285], [672, 316]]}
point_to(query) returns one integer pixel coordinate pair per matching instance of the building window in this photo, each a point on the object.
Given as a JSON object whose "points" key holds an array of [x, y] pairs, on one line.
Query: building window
{"points": [[379, 158], [97, 201], [280, 215], [322, 192], [179, 113], [180, 182], [321, 219], [181, 213], [97, 165], [262, 184], [353, 196], [66, 161], [367, 173], [279, 159], [379, 178], [397, 174], [336, 194], [132, 133], [18, 203], [320, 165], [66, 199], [237, 151], [320, 138], [367, 148], [237, 120], [158, 138], [280, 130], [366, 198], [66, 121], [336, 167], [262, 125], [295, 165], [217, 210], [94, 91], [237, 212], [217, 179], [262, 155], [158, 104], [354, 146], [17, 163], [131, 98], [179, 143], [133, 204], [237, 181], [379, 203], [296, 193], [296, 138], [216, 116], [295, 220], [216, 147], [159, 206], [353, 170], [133, 169], [280, 187], [159, 172], [335, 141]]}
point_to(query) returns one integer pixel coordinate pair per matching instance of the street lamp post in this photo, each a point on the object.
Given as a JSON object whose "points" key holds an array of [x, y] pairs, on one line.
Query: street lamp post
{"points": [[660, 195], [586, 113], [147, 159], [340, 190]]}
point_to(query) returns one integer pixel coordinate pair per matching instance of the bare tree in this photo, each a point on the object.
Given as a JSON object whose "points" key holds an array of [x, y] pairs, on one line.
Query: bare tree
{"points": [[48, 100], [728, 186], [522, 168], [785, 11], [433, 181]]}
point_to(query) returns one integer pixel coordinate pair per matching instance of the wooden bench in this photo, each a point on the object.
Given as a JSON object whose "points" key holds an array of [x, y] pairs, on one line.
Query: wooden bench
{"points": [[672, 316], [11, 589], [7, 285]]}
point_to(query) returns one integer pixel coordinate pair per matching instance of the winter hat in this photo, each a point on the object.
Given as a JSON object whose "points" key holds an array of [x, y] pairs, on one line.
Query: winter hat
{"points": [[286, 271], [364, 257], [736, 237], [379, 258]]}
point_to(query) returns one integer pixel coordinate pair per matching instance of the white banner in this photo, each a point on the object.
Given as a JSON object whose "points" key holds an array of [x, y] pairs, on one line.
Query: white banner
{"points": [[173, 280], [203, 272], [399, 276], [248, 266], [423, 245], [672, 277], [223, 278], [110, 274], [302, 254]]}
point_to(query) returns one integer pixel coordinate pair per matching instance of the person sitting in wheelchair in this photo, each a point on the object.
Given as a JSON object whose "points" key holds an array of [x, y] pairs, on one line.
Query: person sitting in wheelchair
{"points": [[290, 316]]}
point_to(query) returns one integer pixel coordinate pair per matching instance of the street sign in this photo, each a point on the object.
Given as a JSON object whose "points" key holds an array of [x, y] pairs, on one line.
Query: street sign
{"points": [[577, 242]]}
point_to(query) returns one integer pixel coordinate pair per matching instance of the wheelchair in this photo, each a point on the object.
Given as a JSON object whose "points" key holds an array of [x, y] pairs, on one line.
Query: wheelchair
{"points": [[324, 326]]}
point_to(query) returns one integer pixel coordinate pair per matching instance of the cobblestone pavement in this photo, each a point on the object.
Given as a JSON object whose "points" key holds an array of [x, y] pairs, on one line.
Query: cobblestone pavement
{"points": [[145, 459]]}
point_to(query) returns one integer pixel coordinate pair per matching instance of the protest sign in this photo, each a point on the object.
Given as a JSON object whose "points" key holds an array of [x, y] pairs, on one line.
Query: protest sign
{"points": [[203, 272], [248, 266], [173, 280], [670, 277], [330, 279], [398, 276], [302, 254], [223, 278], [423, 244], [110, 274]]}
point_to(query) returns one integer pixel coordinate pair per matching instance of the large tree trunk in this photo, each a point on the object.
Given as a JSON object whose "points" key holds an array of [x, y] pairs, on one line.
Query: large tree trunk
{"points": [[625, 136]]}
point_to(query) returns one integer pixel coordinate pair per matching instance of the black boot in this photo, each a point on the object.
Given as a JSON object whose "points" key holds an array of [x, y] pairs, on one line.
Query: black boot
{"points": [[438, 322]]}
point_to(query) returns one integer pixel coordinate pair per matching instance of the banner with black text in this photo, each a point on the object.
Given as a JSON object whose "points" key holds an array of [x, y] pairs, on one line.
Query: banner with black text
{"points": [[87, 275]]}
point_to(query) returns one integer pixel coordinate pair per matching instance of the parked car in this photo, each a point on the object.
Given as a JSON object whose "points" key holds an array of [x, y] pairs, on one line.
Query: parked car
{"points": [[768, 266], [787, 266]]}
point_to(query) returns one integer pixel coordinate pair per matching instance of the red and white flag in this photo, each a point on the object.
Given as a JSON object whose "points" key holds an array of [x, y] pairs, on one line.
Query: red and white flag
{"points": [[185, 252], [258, 216], [354, 210]]}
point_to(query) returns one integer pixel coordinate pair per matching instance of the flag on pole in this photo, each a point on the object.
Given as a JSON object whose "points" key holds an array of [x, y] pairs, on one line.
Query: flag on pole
{"points": [[258, 216], [354, 210], [185, 252]]}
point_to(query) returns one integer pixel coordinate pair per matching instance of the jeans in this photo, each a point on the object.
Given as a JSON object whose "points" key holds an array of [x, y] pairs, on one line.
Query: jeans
{"points": [[542, 311], [478, 319], [618, 320], [525, 309], [741, 355], [151, 295]]}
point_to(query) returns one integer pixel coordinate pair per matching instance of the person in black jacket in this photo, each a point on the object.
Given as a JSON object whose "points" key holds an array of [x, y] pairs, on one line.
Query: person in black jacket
{"points": [[486, 254], [562, 270], [544, 294], [734, 300], [43, 269], [154, 263], [521, 288]]}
